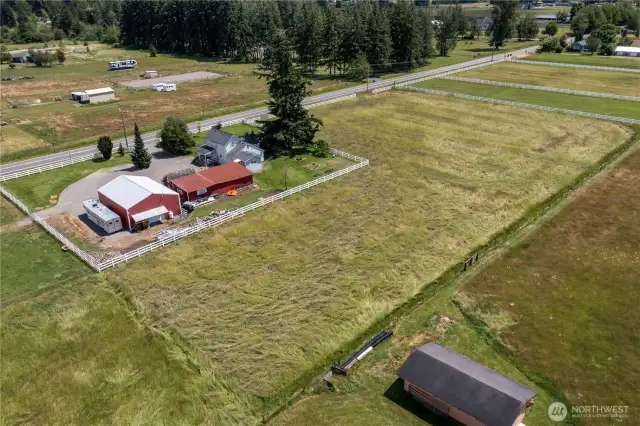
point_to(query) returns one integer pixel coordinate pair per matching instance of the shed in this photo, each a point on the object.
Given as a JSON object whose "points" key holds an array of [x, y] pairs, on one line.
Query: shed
{"points": [[139, 201], [150, 74], [104, 94], [628, 51], [212, 181], [453, 385]]}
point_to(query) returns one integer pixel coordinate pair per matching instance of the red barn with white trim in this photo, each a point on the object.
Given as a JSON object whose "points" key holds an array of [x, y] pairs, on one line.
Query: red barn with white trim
{"points": [[212, 181], [139, 200]]}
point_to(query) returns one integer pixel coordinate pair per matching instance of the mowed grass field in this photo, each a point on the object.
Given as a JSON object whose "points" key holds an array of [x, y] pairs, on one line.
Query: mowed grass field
{"points": [[570, 292], [269, 298], [564, 78], [75, 355], [586, 59], [617, 108], [12, 138]]}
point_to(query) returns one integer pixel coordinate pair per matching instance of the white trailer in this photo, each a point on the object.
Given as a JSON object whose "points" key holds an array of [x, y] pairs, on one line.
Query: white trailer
{"points": [[164, 87], [121, 65], [102, 216]]}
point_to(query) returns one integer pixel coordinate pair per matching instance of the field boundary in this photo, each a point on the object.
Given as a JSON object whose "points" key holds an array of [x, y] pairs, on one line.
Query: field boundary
{"points": [[200, 226], [567, 65], [438, 75], [544, 88], [523, 105]]}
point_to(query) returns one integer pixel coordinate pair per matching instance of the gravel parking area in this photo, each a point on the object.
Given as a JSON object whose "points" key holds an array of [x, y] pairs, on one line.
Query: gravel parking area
{"points": [[177, 78]]}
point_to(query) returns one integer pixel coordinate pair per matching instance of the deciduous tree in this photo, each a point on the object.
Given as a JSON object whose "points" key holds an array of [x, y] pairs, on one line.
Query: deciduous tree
{"points": [[175, 137], [503, 18]]}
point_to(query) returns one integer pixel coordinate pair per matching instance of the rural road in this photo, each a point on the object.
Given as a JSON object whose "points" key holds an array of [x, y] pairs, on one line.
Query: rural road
{"points": [[150, 138]]}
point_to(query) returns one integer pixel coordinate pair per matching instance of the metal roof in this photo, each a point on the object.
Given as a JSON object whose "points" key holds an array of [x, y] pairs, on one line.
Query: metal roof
{"points": [[466, 385], [127, 191], [628, 49], [157, 211], [226, 172], [101, 91], [191, 183], [218, 137], [100, 210]]}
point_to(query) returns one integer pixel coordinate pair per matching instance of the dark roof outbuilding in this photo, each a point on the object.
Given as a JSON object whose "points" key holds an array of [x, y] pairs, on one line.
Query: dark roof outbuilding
{"points": [[466, 385]]}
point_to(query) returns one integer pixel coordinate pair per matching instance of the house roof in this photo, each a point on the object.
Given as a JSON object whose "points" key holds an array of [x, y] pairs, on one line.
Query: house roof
{"points": [[192, 183], [628, 49], [101, 91], [218, 137], [463, 383], [127, 191], [226, 172]]}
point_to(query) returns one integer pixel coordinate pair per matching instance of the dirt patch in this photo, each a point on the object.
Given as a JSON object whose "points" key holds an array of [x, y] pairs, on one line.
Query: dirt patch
{"points": [[70, 225], [442, 323], [15, 226]]}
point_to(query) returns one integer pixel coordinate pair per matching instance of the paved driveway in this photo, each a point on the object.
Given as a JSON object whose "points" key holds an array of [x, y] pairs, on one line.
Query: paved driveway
{"points": [[71, 198]]}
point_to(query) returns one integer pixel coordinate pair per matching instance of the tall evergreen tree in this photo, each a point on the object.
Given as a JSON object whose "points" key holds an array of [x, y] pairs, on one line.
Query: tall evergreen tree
{"points": [[405, 35], [308, 31], [140, 157], [503, 19], [379, 37], [332, 37], [293, 126]]}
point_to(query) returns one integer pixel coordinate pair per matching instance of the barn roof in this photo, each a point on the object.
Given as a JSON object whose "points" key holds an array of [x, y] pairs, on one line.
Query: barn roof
{"points": [[226, 172], [101, 91], [463, 383], [628, 49], [127, 191], [191, 183]]}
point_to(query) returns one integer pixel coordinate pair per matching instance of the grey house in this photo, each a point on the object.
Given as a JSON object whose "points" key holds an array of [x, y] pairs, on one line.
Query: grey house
{"points": [[452, 385], [580, 46], [221, 148]]}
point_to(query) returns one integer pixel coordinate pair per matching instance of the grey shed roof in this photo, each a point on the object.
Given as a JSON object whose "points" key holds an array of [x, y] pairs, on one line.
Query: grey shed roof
{"points": [[218, 137], [463, 383]]}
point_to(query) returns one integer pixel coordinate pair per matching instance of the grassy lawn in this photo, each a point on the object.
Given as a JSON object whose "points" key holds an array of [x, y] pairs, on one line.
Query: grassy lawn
{"points": [[300, 279], [586, 59], [12, 139], [570, 294], [628, 109], [75, 355], [31, 260], [8, 212], [36, 190], [564, 78], [241, 129]]}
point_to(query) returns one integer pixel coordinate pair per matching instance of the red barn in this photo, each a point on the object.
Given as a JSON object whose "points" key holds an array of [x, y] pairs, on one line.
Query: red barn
{"points": [[212, 181], [139, 200]]}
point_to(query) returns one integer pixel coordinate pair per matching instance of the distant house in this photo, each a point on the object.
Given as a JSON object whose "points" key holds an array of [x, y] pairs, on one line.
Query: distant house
{"points": [[212, 181], [547, 18], [222, 148], [20, 57], [94, 96], [453, 385], [580, 46], [484, 23], [628, 51]]}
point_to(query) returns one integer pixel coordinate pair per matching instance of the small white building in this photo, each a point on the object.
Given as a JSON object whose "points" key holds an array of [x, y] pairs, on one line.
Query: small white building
{"points": [[94, 96], [100, 214], [164, 87], [628, 51], [150, 74]]}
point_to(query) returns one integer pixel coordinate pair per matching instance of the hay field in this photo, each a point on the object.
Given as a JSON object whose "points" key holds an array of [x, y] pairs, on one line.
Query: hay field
{"points": [[564, 78], [14, 139], [269, 298], [571, 294], [75, 355]]}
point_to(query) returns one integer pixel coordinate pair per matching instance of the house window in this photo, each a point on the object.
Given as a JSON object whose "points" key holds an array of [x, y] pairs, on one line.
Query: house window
{"points": [[201, 191]]}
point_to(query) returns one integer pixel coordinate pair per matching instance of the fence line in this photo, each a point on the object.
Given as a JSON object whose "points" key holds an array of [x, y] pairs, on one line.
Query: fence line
{"points": [[544, 88], [40, 221], [438, 75], [125, 257], [566, 65], [523, 105]]}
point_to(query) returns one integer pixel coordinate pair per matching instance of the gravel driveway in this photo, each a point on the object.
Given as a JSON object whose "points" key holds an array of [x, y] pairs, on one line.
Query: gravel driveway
{"points": [[71, 198]]}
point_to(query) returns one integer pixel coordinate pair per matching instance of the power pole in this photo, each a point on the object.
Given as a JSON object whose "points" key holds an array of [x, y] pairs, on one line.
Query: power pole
{"points": [[124, 129], [285, 175]]}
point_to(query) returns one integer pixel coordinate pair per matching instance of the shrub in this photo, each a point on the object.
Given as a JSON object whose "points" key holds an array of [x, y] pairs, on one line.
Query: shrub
{"points": [[608, 49], [551, 29], [152, 51], [105, 146], [85, 44], [12, 66]]}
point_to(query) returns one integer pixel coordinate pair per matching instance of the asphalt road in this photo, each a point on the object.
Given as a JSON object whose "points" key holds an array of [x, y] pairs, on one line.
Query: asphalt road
{"points": [[150, 138]]}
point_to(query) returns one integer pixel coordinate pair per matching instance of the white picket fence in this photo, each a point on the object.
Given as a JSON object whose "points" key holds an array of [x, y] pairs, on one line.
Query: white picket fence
{"points": [[438, 75], [360, 162], [545, 88], [40, 221], [566, 65], [523, 105]]}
